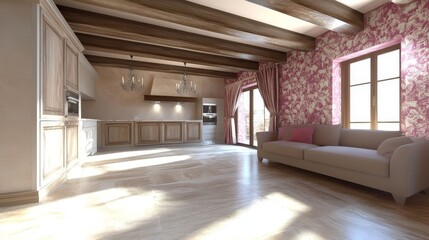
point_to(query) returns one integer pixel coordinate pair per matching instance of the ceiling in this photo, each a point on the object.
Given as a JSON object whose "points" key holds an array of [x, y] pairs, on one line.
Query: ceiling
{"points": [[215, 38]]}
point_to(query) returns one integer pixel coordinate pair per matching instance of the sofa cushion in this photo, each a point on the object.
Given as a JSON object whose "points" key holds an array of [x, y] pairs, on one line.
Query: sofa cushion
{"points": [[287, 148], [389, 145], [355, 159], [370, 139], [285, 133], [327, 135], [303, 134]]}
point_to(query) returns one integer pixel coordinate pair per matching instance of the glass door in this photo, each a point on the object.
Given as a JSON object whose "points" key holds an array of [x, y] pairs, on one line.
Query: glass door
{"points": [[252, 117]]}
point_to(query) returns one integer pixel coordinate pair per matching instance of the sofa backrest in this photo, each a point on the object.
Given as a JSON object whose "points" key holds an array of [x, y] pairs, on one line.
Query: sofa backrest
{"points": [[369, 139]]}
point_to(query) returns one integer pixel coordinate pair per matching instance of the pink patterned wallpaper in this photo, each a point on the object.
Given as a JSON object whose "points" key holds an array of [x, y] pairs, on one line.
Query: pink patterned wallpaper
{"points": [[310, 87]]}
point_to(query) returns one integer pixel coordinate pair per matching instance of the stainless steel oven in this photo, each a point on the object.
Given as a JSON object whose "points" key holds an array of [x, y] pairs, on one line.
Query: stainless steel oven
{"points": [[72, 103]]}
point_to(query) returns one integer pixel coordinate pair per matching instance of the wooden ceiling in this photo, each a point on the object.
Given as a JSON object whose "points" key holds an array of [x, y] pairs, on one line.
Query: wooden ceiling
{"points": [[164, 34]]}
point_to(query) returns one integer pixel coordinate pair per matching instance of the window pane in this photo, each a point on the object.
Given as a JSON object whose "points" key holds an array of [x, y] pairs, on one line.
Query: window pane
{"points": [[388, 65], [360, 72], [360, 103], [389, 126], [243, 118], [388, 100], [260, 123], [360, 125]]}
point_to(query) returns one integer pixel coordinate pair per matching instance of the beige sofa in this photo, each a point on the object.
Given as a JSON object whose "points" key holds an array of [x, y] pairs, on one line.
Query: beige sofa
{"points": [[383, 160]]}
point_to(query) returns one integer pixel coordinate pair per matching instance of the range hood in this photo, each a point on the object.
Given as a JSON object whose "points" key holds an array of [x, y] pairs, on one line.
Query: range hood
{"points": [[164, 90]]}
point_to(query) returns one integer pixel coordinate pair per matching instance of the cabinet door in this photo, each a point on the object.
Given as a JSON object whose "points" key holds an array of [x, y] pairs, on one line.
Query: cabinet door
{"points": [[72, 63], [173, 132], [52, 152], [53, 71], [72, 143], [117, 134], [193, 131], [148, 133]]}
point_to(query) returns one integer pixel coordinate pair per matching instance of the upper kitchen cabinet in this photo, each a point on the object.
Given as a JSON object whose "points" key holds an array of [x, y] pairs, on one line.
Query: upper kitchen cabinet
{"points": [[60, 51], [53, 70], [72, 63]]}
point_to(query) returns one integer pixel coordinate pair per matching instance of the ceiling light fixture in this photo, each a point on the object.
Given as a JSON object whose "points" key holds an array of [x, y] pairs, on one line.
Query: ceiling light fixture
{"points": [[132, 83], [185, 87]]}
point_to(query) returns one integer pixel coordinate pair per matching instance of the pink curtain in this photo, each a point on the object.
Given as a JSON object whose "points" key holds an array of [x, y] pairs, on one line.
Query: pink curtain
{"points": [[267, 80], [232, 94]]}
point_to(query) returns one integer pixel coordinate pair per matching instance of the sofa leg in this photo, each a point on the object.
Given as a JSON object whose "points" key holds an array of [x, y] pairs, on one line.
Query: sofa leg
{"points": [[400, 200]]}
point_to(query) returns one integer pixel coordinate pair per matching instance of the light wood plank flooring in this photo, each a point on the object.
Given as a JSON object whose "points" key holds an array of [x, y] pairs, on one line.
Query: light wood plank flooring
{"points": [[210, 192]]}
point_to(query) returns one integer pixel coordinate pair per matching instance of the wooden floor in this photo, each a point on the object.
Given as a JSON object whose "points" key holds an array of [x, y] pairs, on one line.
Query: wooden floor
{"points": [[210, 192]]}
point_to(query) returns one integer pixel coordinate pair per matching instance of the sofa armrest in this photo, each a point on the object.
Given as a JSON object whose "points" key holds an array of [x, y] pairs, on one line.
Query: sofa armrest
{"points": [[262, 137], [409, 169]]}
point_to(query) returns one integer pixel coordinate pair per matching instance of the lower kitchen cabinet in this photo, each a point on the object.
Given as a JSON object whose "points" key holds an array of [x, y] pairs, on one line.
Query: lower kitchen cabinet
{"points": [[52, 151], [72, 132], [137, 133], [117, 134], [148, 133], [173, 132], [87, 137], [193, 132]]}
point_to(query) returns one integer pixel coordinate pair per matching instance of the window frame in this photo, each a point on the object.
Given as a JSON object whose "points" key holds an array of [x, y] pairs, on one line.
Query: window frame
{"points": [[345, 89]]}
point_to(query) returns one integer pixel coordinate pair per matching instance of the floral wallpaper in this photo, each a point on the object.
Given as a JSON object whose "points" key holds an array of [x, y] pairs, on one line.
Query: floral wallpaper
{"points": [[310, 83]]}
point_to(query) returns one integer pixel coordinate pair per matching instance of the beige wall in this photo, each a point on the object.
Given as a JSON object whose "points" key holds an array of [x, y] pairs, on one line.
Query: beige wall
{"points": [[113, 103], [18, 96]]}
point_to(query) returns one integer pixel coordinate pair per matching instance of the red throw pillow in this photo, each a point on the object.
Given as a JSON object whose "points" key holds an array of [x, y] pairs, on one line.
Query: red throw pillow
{"points": [[281, 133], [304, 135]]}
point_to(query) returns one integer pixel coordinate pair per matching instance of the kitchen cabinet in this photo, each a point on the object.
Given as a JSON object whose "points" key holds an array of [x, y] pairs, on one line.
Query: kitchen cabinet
{"points": [[173, 132], [148, 133], [118, 134], [87, 137], [72, 132], [52, 151], [193, 132], [140, 133], [72, 63], [42, 45], [52, 69]]}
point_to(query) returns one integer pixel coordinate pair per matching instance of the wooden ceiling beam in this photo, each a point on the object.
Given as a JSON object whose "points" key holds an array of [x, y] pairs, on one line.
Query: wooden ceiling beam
{"points": [[100, 24], [111, 45], [208, 19], [122, 63], [329, 14]]}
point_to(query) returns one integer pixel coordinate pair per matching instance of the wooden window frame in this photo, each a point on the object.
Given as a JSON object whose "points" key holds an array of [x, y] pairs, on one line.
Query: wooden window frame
{"points": [[345, 83], [249, 89]]}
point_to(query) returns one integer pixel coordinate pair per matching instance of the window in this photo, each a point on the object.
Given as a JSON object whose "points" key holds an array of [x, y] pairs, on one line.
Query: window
{"points": [[371, 90], [252, 117]]}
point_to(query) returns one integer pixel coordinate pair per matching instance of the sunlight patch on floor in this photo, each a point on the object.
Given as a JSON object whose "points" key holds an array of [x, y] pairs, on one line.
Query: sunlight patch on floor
{"points": [[308, 235], [85, 172], [91, 214], [261, 219], [125, 154], [121, 166], [288, 202]]}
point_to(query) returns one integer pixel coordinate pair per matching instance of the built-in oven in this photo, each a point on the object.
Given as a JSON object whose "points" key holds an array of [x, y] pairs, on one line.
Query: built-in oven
{"points": [[72, 103]]}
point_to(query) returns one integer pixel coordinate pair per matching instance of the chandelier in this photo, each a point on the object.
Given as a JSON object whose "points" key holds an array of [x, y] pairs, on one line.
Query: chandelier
{"points": [[132, 82], [185, 87]]}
